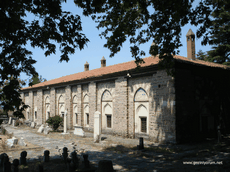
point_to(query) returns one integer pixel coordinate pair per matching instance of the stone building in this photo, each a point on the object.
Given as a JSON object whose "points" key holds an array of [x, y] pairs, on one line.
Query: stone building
{"points": [[145, 102]]}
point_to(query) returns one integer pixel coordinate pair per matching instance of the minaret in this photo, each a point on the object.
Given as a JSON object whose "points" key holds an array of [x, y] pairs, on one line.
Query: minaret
{"points": [[190, 45], [86, 66], [103, 62]]}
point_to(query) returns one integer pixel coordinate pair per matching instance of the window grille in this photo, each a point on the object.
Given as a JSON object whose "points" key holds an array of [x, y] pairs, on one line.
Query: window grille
{"points": [[35, 114], [143, 125], [87, 118], [108, 121]]}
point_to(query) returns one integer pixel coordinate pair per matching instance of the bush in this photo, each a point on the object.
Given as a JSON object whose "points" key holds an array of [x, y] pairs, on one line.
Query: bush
{"points": [[18, 122], [55, 122]]}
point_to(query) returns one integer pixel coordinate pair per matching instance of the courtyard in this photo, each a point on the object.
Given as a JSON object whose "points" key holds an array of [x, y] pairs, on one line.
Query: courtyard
{"points": [[206, 156]]}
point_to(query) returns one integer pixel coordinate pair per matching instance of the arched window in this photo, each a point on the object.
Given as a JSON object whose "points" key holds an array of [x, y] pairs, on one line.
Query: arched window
{"points": [[141, 105], [61, 104], [107, 110]]}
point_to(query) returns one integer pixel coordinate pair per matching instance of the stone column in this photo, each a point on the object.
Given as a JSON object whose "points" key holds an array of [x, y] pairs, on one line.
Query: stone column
{"points": [[31, 104], [97, 127], [65, 123]]}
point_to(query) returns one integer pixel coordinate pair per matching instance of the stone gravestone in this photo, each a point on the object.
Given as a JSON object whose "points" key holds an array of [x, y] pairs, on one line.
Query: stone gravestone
{"points": [[78, 130], [13, 122], [65, 154], [97, 127], [47, 130], [21, 142], [74, 159], [46, 157], [41, 128], [15, 165], [32, 124], [12, 142], [23, 158], [6, 164], [10, 120], [105, 166], [65, 123]]}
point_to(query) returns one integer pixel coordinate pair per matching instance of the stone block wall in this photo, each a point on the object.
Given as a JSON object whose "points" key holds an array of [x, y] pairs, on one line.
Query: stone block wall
{"points": [[120, 107], [92, 103]]}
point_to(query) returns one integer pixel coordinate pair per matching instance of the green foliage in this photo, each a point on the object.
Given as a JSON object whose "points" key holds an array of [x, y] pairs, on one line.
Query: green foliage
{"points": [[136, 21], [50, 25], [55, 122], [36, 79]]}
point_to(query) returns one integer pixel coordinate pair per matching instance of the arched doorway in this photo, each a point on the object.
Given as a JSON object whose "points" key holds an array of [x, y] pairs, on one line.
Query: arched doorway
{"points": [[141, 104]]}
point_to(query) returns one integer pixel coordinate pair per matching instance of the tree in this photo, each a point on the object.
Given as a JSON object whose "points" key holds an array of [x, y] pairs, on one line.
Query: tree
{"points": [[36, 79], [139, 21], [49, 25]]}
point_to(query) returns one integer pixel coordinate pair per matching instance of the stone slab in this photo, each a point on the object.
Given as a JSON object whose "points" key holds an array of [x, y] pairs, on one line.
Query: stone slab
{"points": [[78, 130]]}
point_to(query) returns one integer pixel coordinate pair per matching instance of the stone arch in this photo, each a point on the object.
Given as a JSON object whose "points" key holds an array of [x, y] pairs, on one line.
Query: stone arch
{"points": [[106, 96], [47, 107], [86, 115], [75, 114], [74, 99], [140, 95], [107, 109], [47, 99], [61, 99], [141, 117], [86, 99]]}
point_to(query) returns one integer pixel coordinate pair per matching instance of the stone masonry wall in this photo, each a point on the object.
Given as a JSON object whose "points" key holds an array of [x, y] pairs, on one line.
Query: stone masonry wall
{"points": [[120, 107], [92, 104], [68, 105]]}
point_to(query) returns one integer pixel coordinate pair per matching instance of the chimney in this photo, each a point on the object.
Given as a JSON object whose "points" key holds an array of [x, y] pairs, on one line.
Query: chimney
{"points": [[86, 66], [103, 62], [190, 45]]}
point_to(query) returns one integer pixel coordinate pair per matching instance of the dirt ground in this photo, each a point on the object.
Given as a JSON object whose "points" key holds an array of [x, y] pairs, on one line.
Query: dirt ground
{"points": [[171, 157]]}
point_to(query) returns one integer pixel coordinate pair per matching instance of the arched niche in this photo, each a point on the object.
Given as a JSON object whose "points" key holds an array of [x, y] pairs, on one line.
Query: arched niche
{"points": [[106, 96], [86, 99], [141, 105]]}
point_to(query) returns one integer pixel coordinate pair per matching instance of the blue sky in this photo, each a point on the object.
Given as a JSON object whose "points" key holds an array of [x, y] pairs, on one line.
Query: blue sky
{"points": [[50, 67]]}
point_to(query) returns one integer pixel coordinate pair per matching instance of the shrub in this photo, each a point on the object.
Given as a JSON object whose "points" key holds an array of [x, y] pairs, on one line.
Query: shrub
{"points": [[18, 122], [55, 122]]}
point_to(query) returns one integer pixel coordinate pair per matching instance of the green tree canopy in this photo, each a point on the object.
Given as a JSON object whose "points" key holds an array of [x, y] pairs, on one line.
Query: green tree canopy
{"points": [[137, 21]]}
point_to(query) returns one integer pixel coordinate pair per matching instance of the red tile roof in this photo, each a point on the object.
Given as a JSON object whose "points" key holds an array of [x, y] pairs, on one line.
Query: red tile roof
{"points": [[117, 68]]}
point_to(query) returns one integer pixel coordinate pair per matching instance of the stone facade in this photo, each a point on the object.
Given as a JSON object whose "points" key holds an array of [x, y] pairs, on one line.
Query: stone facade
{"points": [[122, 102]]}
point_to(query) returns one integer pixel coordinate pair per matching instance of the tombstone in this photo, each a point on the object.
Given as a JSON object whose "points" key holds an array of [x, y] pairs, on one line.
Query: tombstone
{"points": [[23, 158], [12, 142], [47, 130], [68, 164], [40, 168], [65, 154], [46, 157], [65, 123], [32, 124], [10, 120], [6, 164], [86, 161], [21, 142], [2, 156], [105, 166], [78, 130], [97, 127], [15, 165], [13, 122], [141, 144], [41, 128], [74, 159]]}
